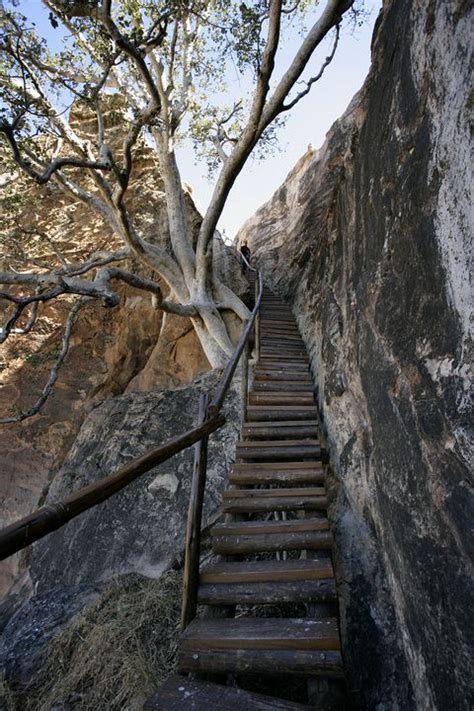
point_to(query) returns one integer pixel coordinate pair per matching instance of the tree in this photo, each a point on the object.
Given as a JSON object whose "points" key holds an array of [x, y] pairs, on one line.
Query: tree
{"points": [[166, 60]]}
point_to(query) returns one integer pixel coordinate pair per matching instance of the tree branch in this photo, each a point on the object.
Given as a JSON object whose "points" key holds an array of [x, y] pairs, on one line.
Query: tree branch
{"points": [[58, 163], [313, 80], [53, 376]]}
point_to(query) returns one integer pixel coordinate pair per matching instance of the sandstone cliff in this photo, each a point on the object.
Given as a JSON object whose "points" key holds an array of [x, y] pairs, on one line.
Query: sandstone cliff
{"points": [[369, 240]]}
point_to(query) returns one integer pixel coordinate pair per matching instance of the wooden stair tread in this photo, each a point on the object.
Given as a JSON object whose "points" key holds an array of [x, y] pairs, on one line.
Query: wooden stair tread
{"points": [[279, 444], [179, 693], [249, 543], [276, 425], [267, 571], [306, 663], [282, 386], [264, 633], [273, 493], [273, 466], [270, 397], [280, 430], [255, 527], [268, 450], [280, 412], [256, 593], [289, 477], [261, 504]]}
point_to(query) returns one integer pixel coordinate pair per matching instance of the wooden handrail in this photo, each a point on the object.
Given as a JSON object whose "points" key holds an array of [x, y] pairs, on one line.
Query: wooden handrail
{"points": [[49, 518]]}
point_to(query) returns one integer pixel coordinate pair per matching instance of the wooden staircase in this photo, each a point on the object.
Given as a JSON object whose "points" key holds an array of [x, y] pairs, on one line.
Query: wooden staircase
{"points": [[271, 547]]}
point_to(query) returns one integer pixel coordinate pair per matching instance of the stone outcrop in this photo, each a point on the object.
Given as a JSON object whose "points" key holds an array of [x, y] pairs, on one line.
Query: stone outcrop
{"points": [[369, 240], [138, 531]]}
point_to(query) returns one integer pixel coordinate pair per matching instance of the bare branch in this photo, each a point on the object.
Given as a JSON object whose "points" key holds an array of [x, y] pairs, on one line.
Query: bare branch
{"points": [[313, 80], [53, 376], [53, 167]]}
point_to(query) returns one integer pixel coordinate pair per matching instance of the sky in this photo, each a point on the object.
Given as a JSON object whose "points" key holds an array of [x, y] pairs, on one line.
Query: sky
{"points": [[306, 124]]}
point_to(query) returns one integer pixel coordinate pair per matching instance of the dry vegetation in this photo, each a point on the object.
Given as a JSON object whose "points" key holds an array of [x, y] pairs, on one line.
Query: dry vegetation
{"points": [[113, 655]]}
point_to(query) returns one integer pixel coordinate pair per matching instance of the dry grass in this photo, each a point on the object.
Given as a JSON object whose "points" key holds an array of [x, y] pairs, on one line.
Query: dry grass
{"points": [[115, 653]]}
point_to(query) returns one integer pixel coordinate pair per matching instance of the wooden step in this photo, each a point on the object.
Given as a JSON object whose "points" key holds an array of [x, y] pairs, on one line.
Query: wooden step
{"points": [[266, 571], [312, 663], [278, 329], [303, 591], [283, 339], [260, 500], [279, 349], [282, 372], [181, 693], [280, 398], [264, 633], [278, 385], [316, 591], [278, 450], [254, 528], [261, 413], [261, 645], [281, 430], [272, 359], [249, 542], [289, 473]]}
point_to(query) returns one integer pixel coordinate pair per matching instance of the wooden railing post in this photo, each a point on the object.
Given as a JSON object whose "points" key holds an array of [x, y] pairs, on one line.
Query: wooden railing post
{"points": [[193, 529]]}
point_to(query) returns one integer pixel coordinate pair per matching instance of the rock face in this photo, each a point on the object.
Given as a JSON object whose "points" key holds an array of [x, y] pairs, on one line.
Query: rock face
{"points": [[140, 530], [369, 240]]}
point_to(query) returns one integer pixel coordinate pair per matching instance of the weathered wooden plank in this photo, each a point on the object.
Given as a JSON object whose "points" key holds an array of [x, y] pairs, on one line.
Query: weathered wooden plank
{"points": [[276, 431], [281, 503], [265, 633], [295, 372], [293, 386], [267, 570], [272, 466], [281, 359], [241, 545], [265, 413], [281, 425], [180, 693], [290, 477], [257, 593], [274, 493], [278, 454], [281, 398], [320, 663], [279, 444], [254, 527]]}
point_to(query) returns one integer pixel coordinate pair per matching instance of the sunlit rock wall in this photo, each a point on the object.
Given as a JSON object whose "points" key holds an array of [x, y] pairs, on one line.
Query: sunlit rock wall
{"points": [[369, 240]]}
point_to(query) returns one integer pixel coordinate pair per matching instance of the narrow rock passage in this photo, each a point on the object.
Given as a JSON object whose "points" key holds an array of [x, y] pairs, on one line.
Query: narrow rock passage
{"points": [[271, 594]]}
